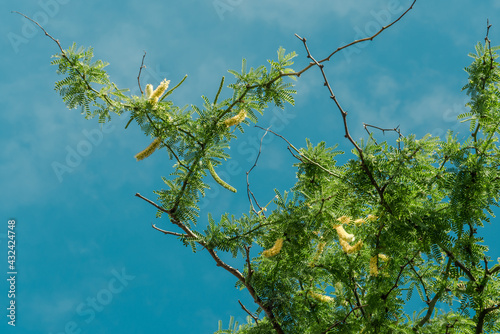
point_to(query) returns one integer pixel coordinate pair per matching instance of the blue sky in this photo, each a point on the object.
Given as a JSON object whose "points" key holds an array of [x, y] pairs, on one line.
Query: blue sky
{"points": [[88, 260]]}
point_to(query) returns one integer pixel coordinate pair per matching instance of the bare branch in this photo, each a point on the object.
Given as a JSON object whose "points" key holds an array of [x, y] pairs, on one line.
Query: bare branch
{"points": [[153, 203], [250, 194], [301, 154], [63, 55], [352, 43], [235, 272], [140, 70], [39, 26], [168, 232], [346, 129], [249, 313]]}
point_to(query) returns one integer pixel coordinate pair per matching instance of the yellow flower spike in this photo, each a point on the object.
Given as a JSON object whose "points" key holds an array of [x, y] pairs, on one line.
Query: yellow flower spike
{"points": [[343, 234], [359, 221], [274, 250], [344, 220], [149, 90], [321, 298], [235, 120], [356, 247], [158, 92], [371, 217], [348, 249], [148, 150], [374, 267], [383, 257], [218, 179]]}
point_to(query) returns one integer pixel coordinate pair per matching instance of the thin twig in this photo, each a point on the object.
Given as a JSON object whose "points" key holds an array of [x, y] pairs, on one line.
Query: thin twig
{"points": [[168, 232], [396, 283], [63, 55], [300, 153], [153, 203], [364, 164], [140, 70], [352, 43], [249, 313], [396, 129], [39, 26], [250, 194], [345, 318], [235, 272]]}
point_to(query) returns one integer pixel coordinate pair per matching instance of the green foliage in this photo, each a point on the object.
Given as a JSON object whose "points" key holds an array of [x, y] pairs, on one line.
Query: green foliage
{"points": [[79, 89], [351, 244]]}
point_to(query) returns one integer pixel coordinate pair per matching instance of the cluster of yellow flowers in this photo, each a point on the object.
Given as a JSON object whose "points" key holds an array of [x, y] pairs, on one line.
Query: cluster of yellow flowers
{"points": [[235, 120], [153, 96], [148, 150], [274, 250], [374, 267], [345, 238], [359, 221], [321, 298]]}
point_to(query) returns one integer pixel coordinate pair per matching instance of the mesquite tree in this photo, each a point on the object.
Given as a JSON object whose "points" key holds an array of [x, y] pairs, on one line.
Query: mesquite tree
{"points": [[349, 245]]}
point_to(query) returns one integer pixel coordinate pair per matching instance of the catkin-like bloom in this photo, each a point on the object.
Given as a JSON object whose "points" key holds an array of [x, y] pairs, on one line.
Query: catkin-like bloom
{"points": [[158, 92], [344, 220], [274, 250], [149, 90], [348, 249], [320, 297], [374, 268], [383, 257], [148, 150], [359, 221], [371, 217], [343, 234], [235, 120]]}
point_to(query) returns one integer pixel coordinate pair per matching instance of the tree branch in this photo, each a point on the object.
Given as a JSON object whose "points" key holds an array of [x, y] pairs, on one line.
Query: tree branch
{"points": [[140, 70], [63, 54], [364, 164], [482, 315], [345, 318], [168, 232], [249, 313], [435, 299], [235, 272]]}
